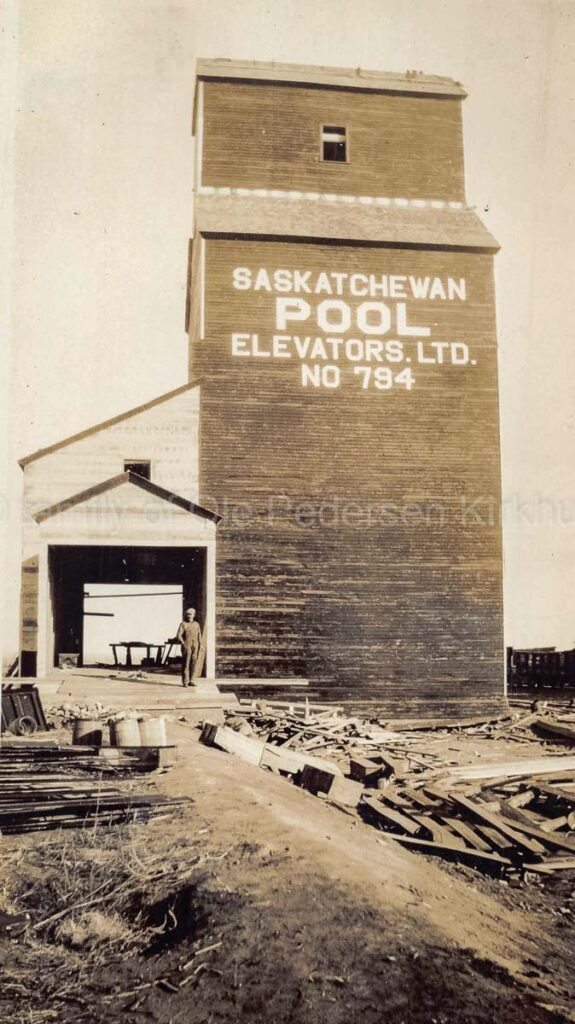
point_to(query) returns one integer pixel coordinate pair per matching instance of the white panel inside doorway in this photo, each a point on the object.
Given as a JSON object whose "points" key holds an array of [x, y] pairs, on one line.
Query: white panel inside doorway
{"points": [[141, 612]]}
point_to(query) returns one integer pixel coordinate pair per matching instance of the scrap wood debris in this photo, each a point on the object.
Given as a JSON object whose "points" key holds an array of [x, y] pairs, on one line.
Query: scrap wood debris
{"points": [[504, 817], [47, 786], [513, 820], [324, 728]]}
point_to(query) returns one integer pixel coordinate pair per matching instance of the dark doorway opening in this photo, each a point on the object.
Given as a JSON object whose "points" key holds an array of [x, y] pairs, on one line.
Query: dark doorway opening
{"points": [[73, 567]]}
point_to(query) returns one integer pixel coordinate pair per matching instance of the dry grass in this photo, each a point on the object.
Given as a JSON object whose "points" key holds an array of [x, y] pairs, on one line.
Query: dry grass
{"points": [[95, 928], [88, 894]]}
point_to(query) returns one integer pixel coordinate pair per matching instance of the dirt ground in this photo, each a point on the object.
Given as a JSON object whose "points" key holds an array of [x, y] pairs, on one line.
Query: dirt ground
{"points": [[300, 912]]}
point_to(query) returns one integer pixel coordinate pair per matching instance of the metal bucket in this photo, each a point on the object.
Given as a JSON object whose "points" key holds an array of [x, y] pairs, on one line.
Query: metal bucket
{"points": [[125, 733], [153, 732], [88, 732]]}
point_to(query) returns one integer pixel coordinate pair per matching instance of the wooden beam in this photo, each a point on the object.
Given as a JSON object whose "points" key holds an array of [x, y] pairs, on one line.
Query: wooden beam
{"points": [[451, 852], [486, 817]]}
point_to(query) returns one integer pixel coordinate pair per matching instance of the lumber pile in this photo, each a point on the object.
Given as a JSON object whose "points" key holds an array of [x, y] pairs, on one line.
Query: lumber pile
{"points": [[64, 759], [47, 786], [507, 821], [500, 816], [322, 729]]}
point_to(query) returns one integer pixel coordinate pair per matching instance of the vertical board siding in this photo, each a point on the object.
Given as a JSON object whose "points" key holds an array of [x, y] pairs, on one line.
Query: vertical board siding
{"points": [[268, 136], [361, 543]]}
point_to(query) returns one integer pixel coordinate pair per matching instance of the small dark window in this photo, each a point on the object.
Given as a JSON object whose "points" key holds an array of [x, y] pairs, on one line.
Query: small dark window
{"points": [[334, 143], [141, 468]]}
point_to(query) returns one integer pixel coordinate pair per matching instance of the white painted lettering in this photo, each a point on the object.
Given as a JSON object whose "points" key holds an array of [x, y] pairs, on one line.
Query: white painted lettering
{"points": [[263, 282], [333, 315], [373, 318], [291, 309], [457, 290], [397, 287], [419, 287], [437, 289], [242, 278], [459, 353], [404, 329], [280, 346], [323, 284], [283, 280], [240, 344]]}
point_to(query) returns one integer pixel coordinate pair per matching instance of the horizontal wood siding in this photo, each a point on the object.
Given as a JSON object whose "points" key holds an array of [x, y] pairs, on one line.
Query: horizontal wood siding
{"points": [[268, 136], [405, 604], [29, 604], [166, 434]]}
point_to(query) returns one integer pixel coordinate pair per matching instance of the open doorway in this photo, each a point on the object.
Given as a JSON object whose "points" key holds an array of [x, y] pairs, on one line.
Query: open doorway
{"points": [[118, 614], [82, 636]]}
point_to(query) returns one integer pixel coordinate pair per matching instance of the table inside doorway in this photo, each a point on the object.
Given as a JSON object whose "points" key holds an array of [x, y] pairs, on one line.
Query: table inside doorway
{"points": [[132, 645]]}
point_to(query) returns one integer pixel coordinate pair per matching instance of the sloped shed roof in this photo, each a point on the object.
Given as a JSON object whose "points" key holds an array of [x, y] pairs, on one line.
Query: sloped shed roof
{"points": [[368, 223]]}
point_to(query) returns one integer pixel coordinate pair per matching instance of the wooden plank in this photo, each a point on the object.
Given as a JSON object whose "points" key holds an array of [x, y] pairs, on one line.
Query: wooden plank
{"points": [[549, 839], [508, 769], [567, 777], [466, 832], [495, 840], [29, 604], [518, 814], [345, 791], [552, 824], [555, 792], [232, 742], [495, 821], [548, 867], [418, 797], [439, 834], [430, 724], [451, 852], [319, 780], [292, 739], [390, 816], [294, 761], [557, 730], [390, 795], [520, 799], [436, 793], [272, 683]]}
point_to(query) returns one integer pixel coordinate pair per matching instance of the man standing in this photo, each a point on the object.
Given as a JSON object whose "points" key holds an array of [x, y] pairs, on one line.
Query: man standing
{"points": [[189, 636]]}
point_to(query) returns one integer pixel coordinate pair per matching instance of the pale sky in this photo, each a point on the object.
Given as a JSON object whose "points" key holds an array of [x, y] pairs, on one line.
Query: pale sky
{"points": [[100, 155]]}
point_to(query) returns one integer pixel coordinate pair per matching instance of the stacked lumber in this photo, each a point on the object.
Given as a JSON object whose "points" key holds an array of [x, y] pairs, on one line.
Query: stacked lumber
{"points": [[25, 756], [46, 786]]}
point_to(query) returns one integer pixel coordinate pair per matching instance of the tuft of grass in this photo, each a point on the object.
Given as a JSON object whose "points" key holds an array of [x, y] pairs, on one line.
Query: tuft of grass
{"points": [[96, 929]]}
